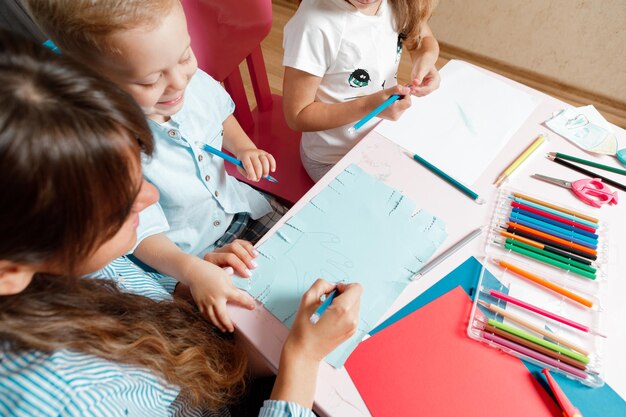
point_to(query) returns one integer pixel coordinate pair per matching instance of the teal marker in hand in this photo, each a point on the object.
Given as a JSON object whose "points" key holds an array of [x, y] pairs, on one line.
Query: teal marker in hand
{"points": [[210, 149]]}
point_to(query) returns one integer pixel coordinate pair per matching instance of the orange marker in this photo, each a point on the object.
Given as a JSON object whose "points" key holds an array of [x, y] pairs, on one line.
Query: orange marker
{"points": [[552, 238], [544, 283]]}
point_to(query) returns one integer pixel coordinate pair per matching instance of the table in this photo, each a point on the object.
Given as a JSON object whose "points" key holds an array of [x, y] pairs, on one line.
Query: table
{"points": [[336, 394]]}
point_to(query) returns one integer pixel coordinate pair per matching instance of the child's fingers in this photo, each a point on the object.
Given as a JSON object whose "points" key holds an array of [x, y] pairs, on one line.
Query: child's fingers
{"points": [[247, 246], [244, 253], [222, 315], [210, 315], [229, 259], [265, 164], [272, 162], [248, 166], [258, 167], [242, 298]]}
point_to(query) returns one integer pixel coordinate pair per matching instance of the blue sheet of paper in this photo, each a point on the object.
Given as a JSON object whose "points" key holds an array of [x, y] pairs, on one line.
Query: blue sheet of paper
{"points": [[592, 402], [357, 229]]}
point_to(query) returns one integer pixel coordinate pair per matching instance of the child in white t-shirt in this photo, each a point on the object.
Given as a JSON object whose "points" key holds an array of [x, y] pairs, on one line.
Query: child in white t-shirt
{"points": [[341, 62]]}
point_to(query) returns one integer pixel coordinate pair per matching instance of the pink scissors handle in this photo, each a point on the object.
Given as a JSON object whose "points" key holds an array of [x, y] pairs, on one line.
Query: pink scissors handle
{"points": [[594, 192]]}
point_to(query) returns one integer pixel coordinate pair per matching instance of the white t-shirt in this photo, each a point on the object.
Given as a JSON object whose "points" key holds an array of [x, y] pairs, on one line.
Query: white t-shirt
{"points": [[353, 53]]}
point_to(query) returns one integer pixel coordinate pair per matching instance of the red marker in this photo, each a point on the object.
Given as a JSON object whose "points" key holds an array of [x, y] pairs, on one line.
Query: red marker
{"points": [[568, 409]]}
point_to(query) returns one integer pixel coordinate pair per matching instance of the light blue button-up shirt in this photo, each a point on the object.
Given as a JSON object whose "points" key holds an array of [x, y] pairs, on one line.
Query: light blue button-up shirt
{"points": [[198, 197]]}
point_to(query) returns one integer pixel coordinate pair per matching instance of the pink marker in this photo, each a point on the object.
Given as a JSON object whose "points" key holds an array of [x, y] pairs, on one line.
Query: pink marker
{"points": [[568, 408], [545, 313]]}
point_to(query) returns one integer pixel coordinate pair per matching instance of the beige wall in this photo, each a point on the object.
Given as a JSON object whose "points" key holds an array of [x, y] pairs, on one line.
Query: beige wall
{"points": [[578, 42]]}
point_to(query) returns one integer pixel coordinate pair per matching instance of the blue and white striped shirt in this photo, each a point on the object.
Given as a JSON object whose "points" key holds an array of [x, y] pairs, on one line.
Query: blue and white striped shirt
{"points": [[67, 383]]}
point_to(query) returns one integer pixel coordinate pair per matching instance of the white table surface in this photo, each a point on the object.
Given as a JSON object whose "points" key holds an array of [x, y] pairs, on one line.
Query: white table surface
{"points": [[336, 394]]}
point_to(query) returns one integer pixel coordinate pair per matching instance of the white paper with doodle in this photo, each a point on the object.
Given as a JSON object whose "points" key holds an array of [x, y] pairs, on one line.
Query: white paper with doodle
{"points": [[357, 229]]}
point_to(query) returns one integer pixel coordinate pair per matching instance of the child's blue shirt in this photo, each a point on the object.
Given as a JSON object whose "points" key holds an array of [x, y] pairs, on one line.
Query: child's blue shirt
{"points": [[198, 197]]}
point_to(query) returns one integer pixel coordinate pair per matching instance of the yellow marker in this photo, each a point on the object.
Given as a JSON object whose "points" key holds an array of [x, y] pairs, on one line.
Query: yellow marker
{"points": [[520, 159]]}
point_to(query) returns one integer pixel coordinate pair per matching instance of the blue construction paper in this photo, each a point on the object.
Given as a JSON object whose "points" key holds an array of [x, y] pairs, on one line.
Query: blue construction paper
{"points": [[592, 402], [357, 229]]}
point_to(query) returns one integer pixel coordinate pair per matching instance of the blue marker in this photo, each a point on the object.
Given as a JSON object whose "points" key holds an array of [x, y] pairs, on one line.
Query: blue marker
{"points": [[374, 113], [232, 160], [315, 317]]}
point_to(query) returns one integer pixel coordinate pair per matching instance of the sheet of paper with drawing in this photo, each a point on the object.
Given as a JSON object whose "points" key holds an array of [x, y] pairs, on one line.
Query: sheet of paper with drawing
{"points": [[356, 229], [461, 127]]}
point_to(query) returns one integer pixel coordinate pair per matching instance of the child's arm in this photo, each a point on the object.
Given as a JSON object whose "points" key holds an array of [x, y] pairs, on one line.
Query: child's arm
{"points": [[210, 286], [256, 162], [425, 77], [304, 114]]}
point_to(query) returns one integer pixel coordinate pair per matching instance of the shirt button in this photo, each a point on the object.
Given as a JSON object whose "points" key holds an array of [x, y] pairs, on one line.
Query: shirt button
{"points": [[172, 133], [207, 178], [216, 223], [217, 194], [200, 158]]}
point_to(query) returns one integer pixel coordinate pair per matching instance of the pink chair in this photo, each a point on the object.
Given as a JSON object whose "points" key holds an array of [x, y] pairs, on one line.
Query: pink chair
{"points": [[223, 34]]}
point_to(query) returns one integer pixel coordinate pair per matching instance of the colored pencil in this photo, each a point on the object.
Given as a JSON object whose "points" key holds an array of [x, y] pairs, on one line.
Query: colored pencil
{"points": [[568, 408], [555, 256], [520, 159], [230, 159], [374, 113], [523, 235], [536, 225], [556, 226], [536, 347], [535, 355], [538, 310], [447, 178], [549, 237], [448, 252], [541, 342], [555, 207], [549, 261], [512, 317], [555, 217], [317, 315], [543, 282], [586, 172], [546, 247], [556, 212], [589, 163]]}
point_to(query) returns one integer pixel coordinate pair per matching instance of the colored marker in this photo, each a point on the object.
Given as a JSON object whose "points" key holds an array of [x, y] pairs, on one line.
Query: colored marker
{"points": [[374, 113], [555, 207], [539, 341], [315, 317], [555, 256], [535, 355], [550, 261], [556, 226], [230, 159], [527, 306], [543, 282], [448, 252], [524, 237], [529, 230], [555, 212], [520, 160], [571, 237], [546, 247], [512, 317], [568, 409], [555, 218], [447, 178], [586, 172]]}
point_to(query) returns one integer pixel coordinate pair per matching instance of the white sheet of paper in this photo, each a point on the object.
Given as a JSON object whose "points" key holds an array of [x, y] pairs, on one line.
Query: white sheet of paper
{"points": [[461, 127]]}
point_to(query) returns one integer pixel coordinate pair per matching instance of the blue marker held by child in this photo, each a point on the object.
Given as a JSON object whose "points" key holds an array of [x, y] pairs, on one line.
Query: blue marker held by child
{"points": [[210, 149], [315, 317], [374, 113]]}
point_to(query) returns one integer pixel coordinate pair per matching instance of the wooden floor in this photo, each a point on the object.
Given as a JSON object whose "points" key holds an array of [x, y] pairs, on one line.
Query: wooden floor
{"points": [[273, 53]]}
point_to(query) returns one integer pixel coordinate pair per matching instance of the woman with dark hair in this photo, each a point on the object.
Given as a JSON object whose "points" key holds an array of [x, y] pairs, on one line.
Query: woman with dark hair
{"points": [[115, 342]]}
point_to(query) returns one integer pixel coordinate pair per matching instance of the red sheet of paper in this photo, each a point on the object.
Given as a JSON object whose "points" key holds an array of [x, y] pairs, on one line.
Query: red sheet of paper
{"points": [[425, 365]]}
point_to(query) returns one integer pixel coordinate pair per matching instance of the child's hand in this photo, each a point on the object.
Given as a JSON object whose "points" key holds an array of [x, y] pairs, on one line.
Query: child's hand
{"points": [[238, 255], [425, 79], [394, 111], [211, 288], [313, 342], [257, 163]]}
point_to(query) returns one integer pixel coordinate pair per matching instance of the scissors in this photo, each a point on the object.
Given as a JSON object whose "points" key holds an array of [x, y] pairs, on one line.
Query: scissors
{"points": [[591, 191]]}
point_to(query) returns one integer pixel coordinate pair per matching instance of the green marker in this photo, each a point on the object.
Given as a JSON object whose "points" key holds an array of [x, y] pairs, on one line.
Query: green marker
{"points": [[539, 341], [554, 256], [549, 261]]}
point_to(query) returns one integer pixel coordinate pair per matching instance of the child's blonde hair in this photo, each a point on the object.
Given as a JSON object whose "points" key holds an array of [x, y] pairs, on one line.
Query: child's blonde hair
{"points": [[83, 28], [410, 15]]}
